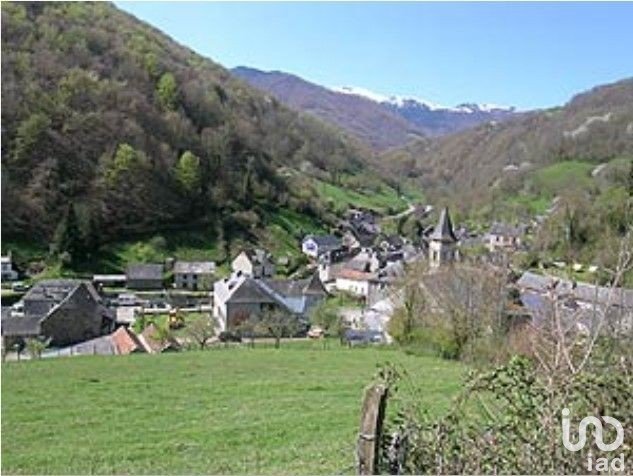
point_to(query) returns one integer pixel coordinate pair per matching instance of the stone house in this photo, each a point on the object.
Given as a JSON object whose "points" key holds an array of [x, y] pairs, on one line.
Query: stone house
{"points": [[257, 263], [239, 296], [145, 276], [503, 237], [64, 311], [194, 275]]}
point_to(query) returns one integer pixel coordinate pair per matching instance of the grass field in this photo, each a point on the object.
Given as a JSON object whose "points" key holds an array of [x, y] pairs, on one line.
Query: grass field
{"points": [[236, 410]]}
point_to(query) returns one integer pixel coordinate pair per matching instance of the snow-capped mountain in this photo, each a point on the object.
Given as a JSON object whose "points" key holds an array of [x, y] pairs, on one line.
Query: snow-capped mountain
{"points": [[411, 101], [381, 121], [433, 118]]}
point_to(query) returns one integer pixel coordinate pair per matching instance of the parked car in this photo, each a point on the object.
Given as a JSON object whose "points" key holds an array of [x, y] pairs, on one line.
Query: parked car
{"points": [[228, 336], [315, 332], [20, 287]]}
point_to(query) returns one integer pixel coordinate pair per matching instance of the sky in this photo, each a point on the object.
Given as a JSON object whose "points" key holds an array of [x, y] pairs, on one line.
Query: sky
{"points": [[528, 55]]}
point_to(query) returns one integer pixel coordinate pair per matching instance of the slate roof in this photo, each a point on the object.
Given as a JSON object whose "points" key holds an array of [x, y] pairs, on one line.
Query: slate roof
{"points": [[14, 326], [194, 267], [324, 241], [444, 229], [257, 255], [297, 288], [249, 290], [503, 229], [49, 293], [145, 272]]}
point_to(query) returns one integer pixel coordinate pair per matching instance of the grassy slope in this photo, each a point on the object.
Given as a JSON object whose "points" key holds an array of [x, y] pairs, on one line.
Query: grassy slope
{"points": [[386, 200], [543, 184], [293, 410]]}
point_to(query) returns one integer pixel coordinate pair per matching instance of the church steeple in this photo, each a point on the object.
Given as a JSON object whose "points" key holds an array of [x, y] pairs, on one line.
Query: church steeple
{"points": [[443, 242]]}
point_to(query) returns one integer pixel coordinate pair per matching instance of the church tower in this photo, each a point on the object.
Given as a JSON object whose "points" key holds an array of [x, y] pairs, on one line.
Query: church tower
{"points": [[442, 242]]}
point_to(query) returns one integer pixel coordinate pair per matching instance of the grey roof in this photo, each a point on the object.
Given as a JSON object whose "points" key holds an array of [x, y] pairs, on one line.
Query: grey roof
{"points": [[47, 294], [444, 229], [21, 326], [258, 255], [503, 229], [299, 287], [145, 271], [535, 281], [250, 291], [325, 241], [194, 267]]}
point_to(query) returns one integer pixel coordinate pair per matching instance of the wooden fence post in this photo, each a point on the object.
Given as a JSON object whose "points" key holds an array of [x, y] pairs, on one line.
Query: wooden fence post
{"points": [[372, 416]]}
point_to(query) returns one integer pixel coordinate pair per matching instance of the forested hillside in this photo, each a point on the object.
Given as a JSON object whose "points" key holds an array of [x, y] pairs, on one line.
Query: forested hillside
{"points": [[595, 126], [110, 128]]}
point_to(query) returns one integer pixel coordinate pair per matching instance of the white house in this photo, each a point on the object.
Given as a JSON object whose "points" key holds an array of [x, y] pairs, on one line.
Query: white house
{"points": [[317, 245], [256, 263], [357, 283], [8, 273]]}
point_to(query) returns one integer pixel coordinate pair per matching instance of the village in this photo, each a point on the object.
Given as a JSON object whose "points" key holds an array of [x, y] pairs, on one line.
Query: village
{"points": [[151, 306]]}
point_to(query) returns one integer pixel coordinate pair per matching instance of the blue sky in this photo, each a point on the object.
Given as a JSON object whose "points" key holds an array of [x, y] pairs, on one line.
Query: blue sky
{"points": [[524, 54]]}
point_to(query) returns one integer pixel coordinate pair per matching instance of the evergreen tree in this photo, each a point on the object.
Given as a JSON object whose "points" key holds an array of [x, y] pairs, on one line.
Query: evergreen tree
{"points": [[68, 238]]}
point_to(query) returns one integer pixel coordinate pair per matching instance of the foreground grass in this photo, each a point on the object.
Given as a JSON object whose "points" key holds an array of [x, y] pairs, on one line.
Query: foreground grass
{"points": [[236, 410]]}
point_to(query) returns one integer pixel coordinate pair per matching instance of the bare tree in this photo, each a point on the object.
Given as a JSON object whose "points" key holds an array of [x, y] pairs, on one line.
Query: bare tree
{"points": [[201, 331], [277, 323]]}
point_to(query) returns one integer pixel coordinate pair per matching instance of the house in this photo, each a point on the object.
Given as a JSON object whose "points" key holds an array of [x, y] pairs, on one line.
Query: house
{"points": [[392, 243], [65, 311], [442, 242], [582, 302], [194, 275], [123, 341], [317, 245], [354, 281], [144, 276], [503, 237], [8, 273], [256, 263], [360, 225], [239, 296]]}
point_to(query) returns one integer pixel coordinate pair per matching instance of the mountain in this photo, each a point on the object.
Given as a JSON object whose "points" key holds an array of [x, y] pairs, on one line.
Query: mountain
{"points": [[110, 126], [365, 119], [431, 118], [594, 127], [380, 121]]}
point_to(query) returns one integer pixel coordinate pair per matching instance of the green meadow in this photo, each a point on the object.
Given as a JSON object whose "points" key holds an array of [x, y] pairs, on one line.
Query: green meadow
{"points": [[226, 410]]}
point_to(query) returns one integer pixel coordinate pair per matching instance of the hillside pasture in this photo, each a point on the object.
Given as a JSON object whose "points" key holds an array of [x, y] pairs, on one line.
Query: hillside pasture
{"points": [[228, 410]]}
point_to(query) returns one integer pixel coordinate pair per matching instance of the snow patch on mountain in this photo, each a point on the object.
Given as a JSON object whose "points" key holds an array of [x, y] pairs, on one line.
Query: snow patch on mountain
{"points": [[412, 102]]}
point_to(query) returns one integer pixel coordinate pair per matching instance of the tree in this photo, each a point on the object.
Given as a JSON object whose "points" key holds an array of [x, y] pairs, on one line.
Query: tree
{"points": [[167, 90], [188, 172], [125, 160], [201, 331], [35, 347], [68, 238], [277, 324], [327, 318]]}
